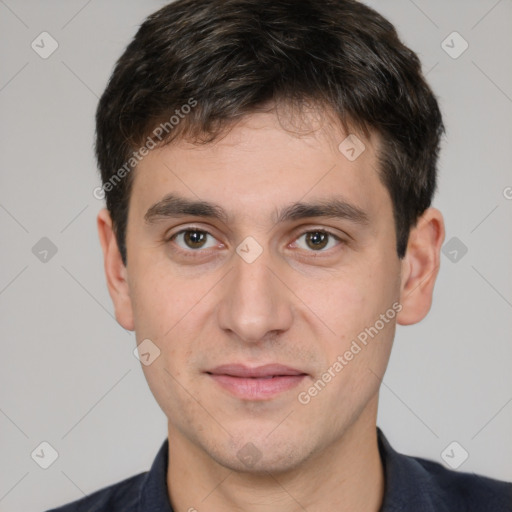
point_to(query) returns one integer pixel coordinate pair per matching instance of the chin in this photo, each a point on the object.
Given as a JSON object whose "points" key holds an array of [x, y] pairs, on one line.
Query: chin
{"points": [[260, 455]]}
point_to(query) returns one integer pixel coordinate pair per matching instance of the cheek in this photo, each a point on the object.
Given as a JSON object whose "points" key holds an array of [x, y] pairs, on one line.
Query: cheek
{"points": [[162, 301], [170, 311], [357, 305], [351, 300], [171, 391]]}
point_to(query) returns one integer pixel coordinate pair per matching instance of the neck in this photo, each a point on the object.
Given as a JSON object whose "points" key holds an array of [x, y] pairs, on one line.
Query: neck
{"points": [[346, 475]]}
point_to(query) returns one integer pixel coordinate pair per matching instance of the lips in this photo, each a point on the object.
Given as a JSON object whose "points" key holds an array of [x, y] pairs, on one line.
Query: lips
{"points": [[259, 383], [265, 371]]}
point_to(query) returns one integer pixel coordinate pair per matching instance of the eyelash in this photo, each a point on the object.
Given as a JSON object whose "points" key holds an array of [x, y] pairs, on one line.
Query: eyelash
{"points": [[197, 253]]}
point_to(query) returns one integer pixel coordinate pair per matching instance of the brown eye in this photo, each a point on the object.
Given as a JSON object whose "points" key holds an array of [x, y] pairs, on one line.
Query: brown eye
{"points": [[317, 241], [194, 239]]}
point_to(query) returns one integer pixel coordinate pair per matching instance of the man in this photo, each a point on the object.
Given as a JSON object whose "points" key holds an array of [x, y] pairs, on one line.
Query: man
{"points": [[268, 169]]}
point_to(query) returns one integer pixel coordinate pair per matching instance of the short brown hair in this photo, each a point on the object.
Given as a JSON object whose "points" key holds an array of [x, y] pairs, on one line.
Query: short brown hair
{"points": [[231, 57]]}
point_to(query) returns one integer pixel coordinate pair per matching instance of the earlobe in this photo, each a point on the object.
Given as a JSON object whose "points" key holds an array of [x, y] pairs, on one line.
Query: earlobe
{"points": [[420, 267], [115, 271]]}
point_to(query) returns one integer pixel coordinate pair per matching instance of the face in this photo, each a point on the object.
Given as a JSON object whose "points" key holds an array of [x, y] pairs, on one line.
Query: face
{"points": [[256, 265]]}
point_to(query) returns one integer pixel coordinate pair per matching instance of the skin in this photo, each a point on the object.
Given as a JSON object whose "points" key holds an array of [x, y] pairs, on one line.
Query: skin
{"points": [[294, 305]]}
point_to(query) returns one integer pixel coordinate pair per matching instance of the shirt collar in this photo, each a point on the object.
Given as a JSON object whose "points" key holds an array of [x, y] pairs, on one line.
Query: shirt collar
{"points": [[153, 494], [408, 485]]}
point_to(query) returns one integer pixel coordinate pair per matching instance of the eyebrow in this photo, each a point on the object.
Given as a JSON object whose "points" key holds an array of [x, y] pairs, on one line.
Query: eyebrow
{"points": [[175, 206], [332, 208], [172, 206]]}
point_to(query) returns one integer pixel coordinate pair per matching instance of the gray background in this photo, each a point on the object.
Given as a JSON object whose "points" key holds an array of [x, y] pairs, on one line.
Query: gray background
{"points": [[68, 374]]}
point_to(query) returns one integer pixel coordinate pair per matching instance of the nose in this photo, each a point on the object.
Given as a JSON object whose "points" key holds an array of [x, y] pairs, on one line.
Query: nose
{"points": [[255, 304]]}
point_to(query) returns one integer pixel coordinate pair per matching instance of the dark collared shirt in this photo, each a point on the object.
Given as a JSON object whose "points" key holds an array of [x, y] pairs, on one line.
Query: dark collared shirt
{"points": [[412, 485]]}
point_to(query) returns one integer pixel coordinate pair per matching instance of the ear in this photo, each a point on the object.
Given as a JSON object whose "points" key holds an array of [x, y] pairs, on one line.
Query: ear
{"points": [[420, 267], [115, 271]]}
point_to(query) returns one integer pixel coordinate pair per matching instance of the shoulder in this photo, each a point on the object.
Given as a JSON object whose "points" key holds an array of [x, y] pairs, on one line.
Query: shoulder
{"points": [[466, 491], [415, 483], [145, 491], [122, 496]]}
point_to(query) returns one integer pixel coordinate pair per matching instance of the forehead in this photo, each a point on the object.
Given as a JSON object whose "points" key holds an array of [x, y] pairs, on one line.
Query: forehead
{"points": [[261, 164]]}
